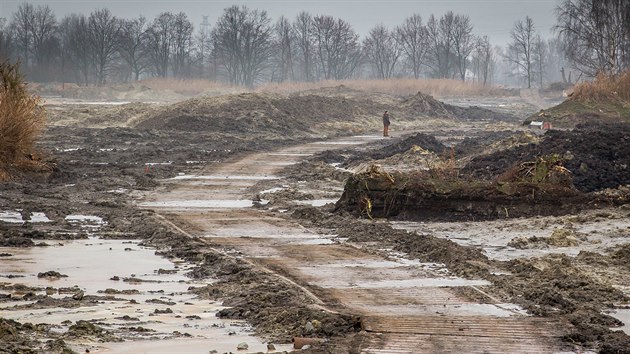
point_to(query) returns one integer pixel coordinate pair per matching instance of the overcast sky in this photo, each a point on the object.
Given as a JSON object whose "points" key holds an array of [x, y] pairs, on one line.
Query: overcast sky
{"points": [[494, 18]]}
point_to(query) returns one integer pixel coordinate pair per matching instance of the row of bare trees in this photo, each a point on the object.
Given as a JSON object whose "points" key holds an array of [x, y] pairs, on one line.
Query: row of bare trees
{"points": [[243, 47], [246, 46]]}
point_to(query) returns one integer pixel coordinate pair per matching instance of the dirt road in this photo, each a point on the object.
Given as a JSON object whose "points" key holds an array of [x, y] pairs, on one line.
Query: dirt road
{"points": [[405, 306]]}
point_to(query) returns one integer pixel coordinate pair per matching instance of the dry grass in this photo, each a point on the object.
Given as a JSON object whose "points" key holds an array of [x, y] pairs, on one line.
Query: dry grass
{"points": [[604, 88], [396, 87], [190, 87], [21, 118]]}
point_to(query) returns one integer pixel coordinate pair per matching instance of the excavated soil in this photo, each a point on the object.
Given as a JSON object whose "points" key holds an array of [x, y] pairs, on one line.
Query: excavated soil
{"points": [[598, 156], [99, 172]]}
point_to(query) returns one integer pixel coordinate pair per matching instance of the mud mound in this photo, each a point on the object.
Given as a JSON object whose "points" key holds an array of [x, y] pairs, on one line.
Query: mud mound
{"points": [[598, 156], [424, 141], [251, 113], [426, 106]]}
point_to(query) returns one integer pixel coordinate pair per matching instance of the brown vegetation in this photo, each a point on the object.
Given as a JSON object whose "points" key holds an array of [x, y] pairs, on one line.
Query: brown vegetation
{"points": [[605, 88], [21, 119]]}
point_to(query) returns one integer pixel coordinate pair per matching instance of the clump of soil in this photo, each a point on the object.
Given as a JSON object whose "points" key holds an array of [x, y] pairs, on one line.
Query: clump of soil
{"points": [[424, 141], [558, 238], [598, 156], [430, 196]]}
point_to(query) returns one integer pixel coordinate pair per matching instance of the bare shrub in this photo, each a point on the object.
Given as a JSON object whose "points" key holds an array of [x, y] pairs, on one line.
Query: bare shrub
{"points": [[605, 88], [21, 118]]}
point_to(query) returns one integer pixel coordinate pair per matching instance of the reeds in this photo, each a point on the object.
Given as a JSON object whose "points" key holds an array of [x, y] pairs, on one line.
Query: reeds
{"points": [[21, 117], [604, 88]]}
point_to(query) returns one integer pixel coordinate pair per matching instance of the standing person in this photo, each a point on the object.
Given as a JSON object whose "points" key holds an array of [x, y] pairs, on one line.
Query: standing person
{"points": [[386, 123]]}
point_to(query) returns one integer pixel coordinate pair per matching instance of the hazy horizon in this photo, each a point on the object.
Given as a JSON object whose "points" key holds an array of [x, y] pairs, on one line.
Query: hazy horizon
{"points": [[494, 18]]}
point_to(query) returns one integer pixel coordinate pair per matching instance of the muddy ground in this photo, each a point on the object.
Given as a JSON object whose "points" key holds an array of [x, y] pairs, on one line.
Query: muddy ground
{"points": [[99, 159]]}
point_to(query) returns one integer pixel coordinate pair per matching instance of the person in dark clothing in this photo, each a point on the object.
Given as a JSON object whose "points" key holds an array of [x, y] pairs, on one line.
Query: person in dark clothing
{"points": [[386, 123]]}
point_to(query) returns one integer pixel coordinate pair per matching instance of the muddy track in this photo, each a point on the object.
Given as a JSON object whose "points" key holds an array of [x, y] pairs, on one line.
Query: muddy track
{"points": [[405, 306]]}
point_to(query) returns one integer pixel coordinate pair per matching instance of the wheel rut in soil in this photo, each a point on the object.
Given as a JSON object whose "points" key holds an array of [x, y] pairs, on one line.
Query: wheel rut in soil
{"points": [[405, 306]]}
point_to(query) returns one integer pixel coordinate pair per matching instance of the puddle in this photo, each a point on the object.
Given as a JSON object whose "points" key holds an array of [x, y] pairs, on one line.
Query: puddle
{"points": [[91, 264], [12, 217], [210, 204], [376, 274], [86, 221], [272, 190], [224, 177], [15, 217], [494, 236], [622, 315]]}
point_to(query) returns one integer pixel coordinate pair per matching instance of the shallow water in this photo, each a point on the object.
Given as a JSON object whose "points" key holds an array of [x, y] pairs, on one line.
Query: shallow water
{"points": [[91, 264]]}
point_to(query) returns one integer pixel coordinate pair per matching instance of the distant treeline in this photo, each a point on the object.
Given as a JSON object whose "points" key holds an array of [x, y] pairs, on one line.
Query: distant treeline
{"points": [[245, 47]]}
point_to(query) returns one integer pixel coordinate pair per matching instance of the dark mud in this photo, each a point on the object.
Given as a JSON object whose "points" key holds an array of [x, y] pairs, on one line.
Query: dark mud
{"points": [[598, 156], [553, 286]]}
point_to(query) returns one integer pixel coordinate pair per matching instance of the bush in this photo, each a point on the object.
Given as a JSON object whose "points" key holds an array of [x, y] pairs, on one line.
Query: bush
{"points": [[21, 118], [605, 88]]}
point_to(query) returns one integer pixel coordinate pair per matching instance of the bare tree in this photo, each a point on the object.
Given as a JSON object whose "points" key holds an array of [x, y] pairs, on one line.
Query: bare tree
{"points": [[131, 45], [303, 29], [483, 61], [283, 43], [6, 42], [463, 42], [414, 41], [440, 43], [22, 29], [243, 44], [104, 33], [338, 50], [597, 34], [540, 59], [382, 49], [520, 50], [44, 28], [159, 41], [74, 42], [181, 45]]}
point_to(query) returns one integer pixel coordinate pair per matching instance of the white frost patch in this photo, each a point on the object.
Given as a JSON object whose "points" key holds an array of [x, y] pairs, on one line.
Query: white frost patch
{"points": [[12, 217], [68, 150]]}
